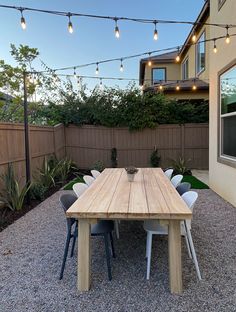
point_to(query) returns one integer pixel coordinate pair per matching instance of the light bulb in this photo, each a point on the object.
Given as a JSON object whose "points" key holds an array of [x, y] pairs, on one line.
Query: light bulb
{"points": [[177, 88], [227, 39], [177, 58], [117, 31], [160, 87], [70, 27], [149, 63], [22, 20], [97, 70], [194, 87], [75, 76], [121, 66], [215, 48], [101, 86], [155, 36], [194, 37], [141, 87]]}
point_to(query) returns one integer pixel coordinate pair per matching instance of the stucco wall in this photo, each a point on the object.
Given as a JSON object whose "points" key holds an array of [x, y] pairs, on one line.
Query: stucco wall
{"points": [[172, 72], [222, 177], [191, 54]]}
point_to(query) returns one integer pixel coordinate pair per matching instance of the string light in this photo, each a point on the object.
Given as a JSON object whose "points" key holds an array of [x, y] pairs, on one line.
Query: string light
{"points": [[97, 70], [70, 26], [178, 86], [215, 47], [161, 87], [194, 87], [75, 75], [177, 57], [149, 61], [194, 37], [155, 36], [22, 20], [101, 86], [117, 31], [227, 38], [121, 65]]}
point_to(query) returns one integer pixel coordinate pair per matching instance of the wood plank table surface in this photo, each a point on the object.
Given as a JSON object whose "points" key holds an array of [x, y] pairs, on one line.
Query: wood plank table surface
{"points": [[150, 196]]}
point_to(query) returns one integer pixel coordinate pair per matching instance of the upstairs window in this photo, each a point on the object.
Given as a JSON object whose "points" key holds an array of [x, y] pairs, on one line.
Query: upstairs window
{"points": [[185, 74], [200, 54], [158, 74], [228, 114]]}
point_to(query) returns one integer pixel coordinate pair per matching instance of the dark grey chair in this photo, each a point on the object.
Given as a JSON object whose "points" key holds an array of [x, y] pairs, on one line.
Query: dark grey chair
{"points": [[102, 228], [183, 188]]}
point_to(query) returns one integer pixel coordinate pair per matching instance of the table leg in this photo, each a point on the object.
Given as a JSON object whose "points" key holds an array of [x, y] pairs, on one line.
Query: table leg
{"points": [[175, 266], [84, 262]]}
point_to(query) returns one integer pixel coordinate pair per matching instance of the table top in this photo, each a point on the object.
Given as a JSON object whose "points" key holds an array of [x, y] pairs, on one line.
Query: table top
{"points": [[150, 196]]}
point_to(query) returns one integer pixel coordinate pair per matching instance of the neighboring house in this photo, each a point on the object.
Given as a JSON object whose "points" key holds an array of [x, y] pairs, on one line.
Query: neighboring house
{"points": [[162, 73], [222, 149]]}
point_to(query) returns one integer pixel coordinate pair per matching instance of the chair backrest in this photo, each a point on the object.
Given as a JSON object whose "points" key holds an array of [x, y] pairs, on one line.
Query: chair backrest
{"points": [[79, 188], [183, 188], [190, 198], [67, 200], [88, 179], [95, 173], [176, 180], [168, 173]]}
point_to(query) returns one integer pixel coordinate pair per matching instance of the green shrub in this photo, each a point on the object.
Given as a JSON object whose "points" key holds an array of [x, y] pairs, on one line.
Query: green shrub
{"points": [[47, 173], [99, 166], [13, 196], [38, 191], [180, 166], [63, 169], [155, 158]]}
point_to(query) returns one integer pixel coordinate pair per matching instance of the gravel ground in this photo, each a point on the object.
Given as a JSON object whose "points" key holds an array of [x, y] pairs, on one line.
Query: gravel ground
{"points": [[31, 252]]}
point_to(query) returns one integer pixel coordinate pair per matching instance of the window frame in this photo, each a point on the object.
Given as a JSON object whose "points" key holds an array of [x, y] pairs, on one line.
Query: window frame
{"points": [[222, 158], [183, 68], [165, 71], [220, 4], [198, 73]]}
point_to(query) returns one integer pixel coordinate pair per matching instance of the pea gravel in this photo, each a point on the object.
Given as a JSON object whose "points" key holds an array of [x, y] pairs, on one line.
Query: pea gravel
{"points": [[31, 251]]}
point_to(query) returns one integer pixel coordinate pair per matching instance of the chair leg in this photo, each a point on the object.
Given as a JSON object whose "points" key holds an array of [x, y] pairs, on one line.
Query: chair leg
{"points": [[112, 246], [65, 254], [74, 240], [193, 251], [188, 247], [149, 253], [107, 256], [117, 229]]}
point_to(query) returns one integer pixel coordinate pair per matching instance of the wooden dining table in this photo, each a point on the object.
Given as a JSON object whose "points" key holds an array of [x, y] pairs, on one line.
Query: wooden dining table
{"points": [[111, 197]]}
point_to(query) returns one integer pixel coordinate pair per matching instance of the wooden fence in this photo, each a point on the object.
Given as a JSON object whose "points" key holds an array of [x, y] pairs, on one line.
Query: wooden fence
{"points": [[88, 144], [44, 141]]}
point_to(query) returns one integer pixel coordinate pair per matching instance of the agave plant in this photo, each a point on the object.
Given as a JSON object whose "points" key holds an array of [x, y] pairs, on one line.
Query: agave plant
{"points": [[180, 166], [47, 173], [13, 196], [63, 168]]}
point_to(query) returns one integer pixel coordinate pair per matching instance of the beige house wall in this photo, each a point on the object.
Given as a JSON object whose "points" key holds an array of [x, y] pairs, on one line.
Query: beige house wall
{"points": [[191, 55], [222, 177], [172, 72]]}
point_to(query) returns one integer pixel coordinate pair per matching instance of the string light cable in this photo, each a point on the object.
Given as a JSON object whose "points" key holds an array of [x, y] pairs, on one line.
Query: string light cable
{"points": [[114, 18]]}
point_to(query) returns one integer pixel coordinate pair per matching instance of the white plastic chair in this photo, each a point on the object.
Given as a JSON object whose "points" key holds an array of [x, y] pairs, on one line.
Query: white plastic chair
{"points": [[176, 180], [168, 173], [88, 179], [79, 188], [95, 173], [153, 227]]}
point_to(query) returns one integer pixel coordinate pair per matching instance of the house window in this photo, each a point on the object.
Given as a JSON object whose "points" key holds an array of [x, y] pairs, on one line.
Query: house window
{"points": [[185, 69], [228, 114], [158, 74], [200, 54]]}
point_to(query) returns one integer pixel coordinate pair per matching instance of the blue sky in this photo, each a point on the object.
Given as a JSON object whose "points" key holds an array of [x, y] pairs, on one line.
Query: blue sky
{"points": [[94, 40]]}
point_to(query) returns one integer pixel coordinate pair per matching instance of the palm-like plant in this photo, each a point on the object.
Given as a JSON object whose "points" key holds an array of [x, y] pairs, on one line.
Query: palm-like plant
{"points": [[13, 196]]}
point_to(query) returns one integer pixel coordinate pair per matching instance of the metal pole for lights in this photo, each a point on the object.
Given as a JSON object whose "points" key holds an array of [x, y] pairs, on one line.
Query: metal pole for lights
{"points": [[26, 130]]}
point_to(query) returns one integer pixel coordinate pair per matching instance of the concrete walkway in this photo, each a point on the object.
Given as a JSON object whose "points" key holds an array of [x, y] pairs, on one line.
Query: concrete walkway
{"points": [[202, 175]]}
